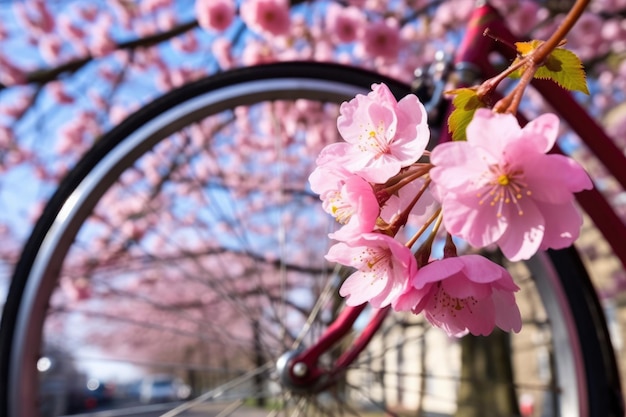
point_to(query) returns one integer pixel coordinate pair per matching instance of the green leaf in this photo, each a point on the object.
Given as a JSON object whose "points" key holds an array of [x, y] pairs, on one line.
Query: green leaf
{"points": [[562, 66], [465, 103]]}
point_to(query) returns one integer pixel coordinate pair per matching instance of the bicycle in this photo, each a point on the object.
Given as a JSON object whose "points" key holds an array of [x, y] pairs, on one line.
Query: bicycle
{"points": [[267, 364]]}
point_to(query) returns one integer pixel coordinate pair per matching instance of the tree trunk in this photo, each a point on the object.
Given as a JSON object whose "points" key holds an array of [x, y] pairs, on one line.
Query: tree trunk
{"points": [[486, 388], [259, 359], [191, 375]]}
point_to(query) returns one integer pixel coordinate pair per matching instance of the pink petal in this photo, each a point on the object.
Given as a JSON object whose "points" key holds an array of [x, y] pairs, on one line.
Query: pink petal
{"points": [[542, 132], [376, 170], [429, 291], [460, 286], [524, 234], [481, 319], [478, 224], [394, 289], [452, 327], [563, 223], [440, 316], [359, 194], [413, 110], [508, 316], [408, 300], [382, 94], [481, 270], [409, 151], [359, 289], [332, 153], [492, 131], [379, 115], [456, 163], [341, 253], [413, 131], [436, 271], [505, 284], [553, 178]]}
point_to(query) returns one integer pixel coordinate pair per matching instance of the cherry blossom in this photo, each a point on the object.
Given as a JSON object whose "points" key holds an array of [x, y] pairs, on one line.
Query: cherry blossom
{"points": [[345, 24], [268, 17], [150, 6], [467, 294], [384, 267], [68, 29], [57, 91], [501, 187], [585, 39], [76, 289], [382, 39], [385, 134], [216, 15], [524, 16], [11, 74], [221, 49], [50, 48], [35, 16], [102, 43]]}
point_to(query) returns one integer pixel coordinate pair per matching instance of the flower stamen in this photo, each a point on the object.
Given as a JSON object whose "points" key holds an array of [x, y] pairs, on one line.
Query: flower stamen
{"points": [[340, 208], [375, 139], [449, 305], [375, 263], [504, 186]]}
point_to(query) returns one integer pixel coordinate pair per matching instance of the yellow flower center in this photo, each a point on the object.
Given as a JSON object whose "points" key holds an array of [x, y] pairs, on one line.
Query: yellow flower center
{"points": [[503, 179], [374, 139], [505, 185]]}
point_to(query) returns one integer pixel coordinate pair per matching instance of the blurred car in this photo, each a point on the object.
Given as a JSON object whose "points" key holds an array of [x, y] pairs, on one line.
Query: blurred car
{"points": [[162, 388], [97, 394]]}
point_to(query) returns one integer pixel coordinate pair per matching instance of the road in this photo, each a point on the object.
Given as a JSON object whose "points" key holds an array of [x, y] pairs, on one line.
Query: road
{"points": [[156, 410]]}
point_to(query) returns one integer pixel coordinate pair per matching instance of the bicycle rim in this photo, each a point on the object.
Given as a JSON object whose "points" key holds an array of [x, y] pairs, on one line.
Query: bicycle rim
{"points": [[258, 290]]}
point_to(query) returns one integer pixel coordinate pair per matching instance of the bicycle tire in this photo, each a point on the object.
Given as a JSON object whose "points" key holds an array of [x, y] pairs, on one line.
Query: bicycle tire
{"points": [[594, 380]]}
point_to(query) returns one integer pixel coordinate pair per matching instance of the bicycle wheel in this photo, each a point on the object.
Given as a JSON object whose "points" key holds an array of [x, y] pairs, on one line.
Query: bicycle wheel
{"points": [[194, 256]]}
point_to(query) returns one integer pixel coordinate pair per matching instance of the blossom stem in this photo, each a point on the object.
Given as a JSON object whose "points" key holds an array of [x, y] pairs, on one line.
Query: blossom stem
{"points": [[422, 255], [488, 86], [511, 102], [449, 249], [535, 59], [408, 177], [541, 53], [531, 63], [404, 216], [435, 217]]}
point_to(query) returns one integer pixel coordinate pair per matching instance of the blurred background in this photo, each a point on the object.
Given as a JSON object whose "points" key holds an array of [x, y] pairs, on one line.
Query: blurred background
{"points": [[72, 70]]}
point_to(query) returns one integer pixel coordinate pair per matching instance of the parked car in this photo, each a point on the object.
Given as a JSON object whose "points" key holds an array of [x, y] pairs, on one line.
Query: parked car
{"points": [[162, 388], [97, 394]]}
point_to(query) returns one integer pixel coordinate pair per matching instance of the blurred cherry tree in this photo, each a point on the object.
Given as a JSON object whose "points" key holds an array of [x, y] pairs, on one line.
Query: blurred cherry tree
{"points": [[71, 70]]}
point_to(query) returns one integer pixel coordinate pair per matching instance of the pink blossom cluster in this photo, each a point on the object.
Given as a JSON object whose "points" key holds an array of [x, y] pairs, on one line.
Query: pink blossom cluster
{"points": [[498, 187]]}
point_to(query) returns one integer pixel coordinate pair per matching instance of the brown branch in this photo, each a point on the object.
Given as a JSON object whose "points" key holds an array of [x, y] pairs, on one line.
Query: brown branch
{"points": [[542, 52], [45, 75], [535, 59]]}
